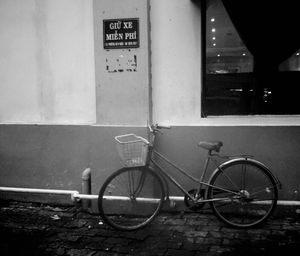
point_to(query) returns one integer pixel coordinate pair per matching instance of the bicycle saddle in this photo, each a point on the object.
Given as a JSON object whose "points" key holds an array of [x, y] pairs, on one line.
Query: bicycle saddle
{"points": [[211, 145]]}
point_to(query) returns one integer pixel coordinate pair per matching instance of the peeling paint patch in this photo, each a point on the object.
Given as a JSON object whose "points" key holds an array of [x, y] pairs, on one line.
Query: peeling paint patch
{"points": [[121, 63]]}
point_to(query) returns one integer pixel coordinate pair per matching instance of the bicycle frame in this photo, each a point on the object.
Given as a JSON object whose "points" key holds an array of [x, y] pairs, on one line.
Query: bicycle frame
{"points": [[199, 181], [146, 180], [233, 199]]}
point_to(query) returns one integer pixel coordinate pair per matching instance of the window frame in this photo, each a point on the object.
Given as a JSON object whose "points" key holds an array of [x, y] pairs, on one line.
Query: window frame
{"points": [[257, 119]]}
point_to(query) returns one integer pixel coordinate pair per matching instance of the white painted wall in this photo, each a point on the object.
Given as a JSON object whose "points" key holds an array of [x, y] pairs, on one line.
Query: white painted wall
{"points": [[47, 61], [176, 62], [176, 70], [122, 97]]}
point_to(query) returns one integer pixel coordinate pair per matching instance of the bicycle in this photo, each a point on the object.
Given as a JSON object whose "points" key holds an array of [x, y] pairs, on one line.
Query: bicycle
{"points": [[242, 191]]}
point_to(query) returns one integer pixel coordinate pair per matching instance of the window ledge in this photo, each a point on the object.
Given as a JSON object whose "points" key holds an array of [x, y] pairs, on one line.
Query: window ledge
{"points": [[251, 120]]}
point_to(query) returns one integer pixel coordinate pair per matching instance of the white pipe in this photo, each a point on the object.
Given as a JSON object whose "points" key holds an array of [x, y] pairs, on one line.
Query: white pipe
{"points": [[72, 193], [37, 190], [279, 202], [180, 199], [75, 195], [85, 196], [289, 203]]}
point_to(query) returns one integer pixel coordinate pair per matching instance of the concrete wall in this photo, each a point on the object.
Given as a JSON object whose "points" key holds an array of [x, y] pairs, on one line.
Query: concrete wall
{"points": [[50, 52], [176, 59], [47, 61], [277, 147], [122, 95], [54, 157], [176, 83], [47, 76], [47, 70]]}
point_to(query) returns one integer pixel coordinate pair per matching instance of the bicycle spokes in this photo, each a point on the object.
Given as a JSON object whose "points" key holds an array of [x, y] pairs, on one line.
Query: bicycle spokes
{"points": [[243, 193], [135, 184], [131, 198]]}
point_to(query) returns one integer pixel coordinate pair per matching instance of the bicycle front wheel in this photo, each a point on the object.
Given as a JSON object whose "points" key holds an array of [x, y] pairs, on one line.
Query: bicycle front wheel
{"points": [[243, 192], [131, 198]]}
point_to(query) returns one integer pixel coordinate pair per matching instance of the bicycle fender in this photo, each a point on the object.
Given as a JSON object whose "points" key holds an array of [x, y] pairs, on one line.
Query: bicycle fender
{"points": [[253, 161]]}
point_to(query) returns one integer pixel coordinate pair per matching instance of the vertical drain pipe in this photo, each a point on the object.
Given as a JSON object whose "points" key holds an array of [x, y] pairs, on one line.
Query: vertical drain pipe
{"points": [[86, 187]]}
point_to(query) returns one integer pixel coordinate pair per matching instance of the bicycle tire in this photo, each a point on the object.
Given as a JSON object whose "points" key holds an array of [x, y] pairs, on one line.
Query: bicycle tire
{"points": [[253, 195], [131, 198]]}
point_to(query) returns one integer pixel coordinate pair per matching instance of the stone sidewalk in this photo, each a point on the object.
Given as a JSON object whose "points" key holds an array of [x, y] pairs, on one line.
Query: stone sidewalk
{"points": [[35, 229]]}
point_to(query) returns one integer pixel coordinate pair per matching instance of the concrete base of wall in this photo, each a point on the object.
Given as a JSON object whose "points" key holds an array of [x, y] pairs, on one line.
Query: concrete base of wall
{"points": [[175, 206], [38, 198], [54, 157]]}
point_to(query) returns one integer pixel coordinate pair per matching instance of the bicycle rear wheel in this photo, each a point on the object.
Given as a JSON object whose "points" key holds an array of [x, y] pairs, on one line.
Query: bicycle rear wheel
{"points": [[131, 198], [244, 193]]}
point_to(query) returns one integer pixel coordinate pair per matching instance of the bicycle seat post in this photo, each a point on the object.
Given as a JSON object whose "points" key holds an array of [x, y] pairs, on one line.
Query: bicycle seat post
{"points": [[209, 154]]}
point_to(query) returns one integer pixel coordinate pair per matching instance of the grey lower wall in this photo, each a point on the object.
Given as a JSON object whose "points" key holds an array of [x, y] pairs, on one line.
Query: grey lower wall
{"points": [[54, 156], [276, 147]]}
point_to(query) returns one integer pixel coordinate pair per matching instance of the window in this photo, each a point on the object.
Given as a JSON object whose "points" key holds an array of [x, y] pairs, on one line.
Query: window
{"points": [[252, 58]]}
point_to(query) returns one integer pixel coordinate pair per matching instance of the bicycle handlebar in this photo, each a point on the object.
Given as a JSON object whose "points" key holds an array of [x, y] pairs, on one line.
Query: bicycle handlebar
{"points": [[159, 126], [156, 127]]}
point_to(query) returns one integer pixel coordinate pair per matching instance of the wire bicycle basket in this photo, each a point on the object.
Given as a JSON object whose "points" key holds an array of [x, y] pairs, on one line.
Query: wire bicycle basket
{"points": [[132, 149]]}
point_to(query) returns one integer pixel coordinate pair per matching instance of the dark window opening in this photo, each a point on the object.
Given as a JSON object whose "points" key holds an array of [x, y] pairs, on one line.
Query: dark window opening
{"points": [[252, 58]]}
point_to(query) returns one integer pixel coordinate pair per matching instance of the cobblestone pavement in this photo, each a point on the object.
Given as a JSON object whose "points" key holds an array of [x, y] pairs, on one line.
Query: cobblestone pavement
{"points": [[35, 229]]}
